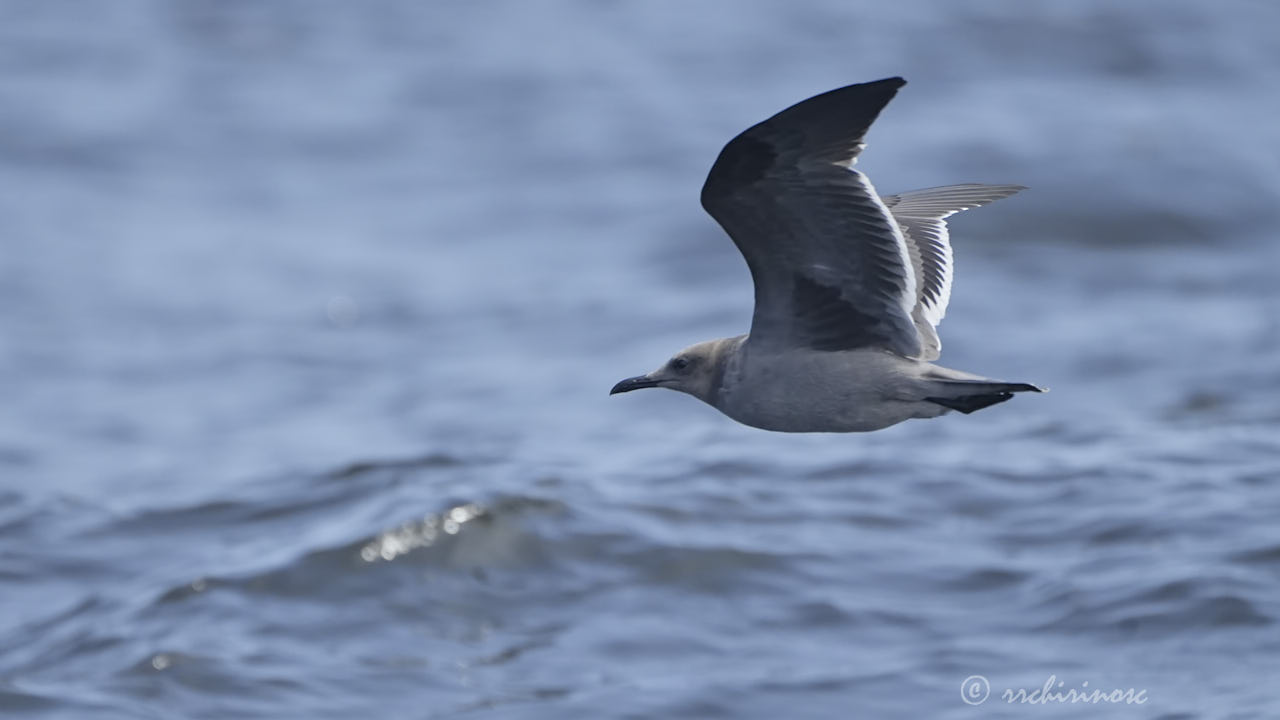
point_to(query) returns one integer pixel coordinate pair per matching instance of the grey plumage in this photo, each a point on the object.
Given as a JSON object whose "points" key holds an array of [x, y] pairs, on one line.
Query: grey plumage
{"points": [[849, 285]]}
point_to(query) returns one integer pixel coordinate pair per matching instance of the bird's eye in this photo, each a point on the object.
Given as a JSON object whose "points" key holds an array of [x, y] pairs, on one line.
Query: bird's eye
{"points": [[679, 363]]}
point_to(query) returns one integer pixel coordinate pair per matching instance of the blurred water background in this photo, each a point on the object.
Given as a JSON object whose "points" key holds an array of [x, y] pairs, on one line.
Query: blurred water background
{"points": [[308, 313]]}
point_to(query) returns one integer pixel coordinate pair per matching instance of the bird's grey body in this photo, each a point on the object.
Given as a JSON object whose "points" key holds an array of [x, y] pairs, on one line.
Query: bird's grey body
{"points": [[850, 285]]}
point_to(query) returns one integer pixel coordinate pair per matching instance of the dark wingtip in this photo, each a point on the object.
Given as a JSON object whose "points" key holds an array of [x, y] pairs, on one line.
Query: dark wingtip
{"points": [[842, 115], [876, 92], [829, 125]]}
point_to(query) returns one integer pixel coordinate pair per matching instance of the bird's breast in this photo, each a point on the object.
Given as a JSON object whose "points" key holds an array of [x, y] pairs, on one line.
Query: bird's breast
{"points": [[811, 391]]}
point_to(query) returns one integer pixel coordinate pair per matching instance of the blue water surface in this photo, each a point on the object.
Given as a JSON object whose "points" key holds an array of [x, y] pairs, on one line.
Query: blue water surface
{"points": [[308, 313]]}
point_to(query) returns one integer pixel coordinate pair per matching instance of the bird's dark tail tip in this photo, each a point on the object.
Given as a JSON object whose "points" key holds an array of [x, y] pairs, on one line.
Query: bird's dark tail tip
{"points": [[971, 397], [971, 403]]}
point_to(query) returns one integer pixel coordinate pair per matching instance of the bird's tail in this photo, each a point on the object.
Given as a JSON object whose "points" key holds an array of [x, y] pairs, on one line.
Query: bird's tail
{"points": [[969, 396]]}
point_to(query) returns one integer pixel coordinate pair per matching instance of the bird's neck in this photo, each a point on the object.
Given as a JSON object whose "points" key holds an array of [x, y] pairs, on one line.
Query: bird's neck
{"points": [[726, 360]]}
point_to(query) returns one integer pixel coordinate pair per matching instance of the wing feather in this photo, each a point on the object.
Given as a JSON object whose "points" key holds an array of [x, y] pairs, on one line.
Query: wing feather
{"points": [[831, 266], [921, 215]]}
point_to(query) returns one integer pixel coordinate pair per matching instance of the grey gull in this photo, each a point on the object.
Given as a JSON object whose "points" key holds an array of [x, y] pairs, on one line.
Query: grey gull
{"points": [[849, 284]]}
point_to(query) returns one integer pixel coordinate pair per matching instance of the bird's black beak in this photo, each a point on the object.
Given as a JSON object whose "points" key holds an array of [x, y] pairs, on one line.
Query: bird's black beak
{"points": [[636, 383]]}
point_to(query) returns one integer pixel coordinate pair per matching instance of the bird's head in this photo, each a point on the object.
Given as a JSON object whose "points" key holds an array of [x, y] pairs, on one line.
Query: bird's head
{"points": [[696, 370]]}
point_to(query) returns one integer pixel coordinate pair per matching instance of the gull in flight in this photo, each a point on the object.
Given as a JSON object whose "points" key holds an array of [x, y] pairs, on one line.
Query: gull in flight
{"points": [[850, 285]]}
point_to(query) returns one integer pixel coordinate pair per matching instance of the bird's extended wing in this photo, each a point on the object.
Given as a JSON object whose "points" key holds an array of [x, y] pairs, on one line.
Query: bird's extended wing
{"points": [[921, 215], [831, 267]]}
